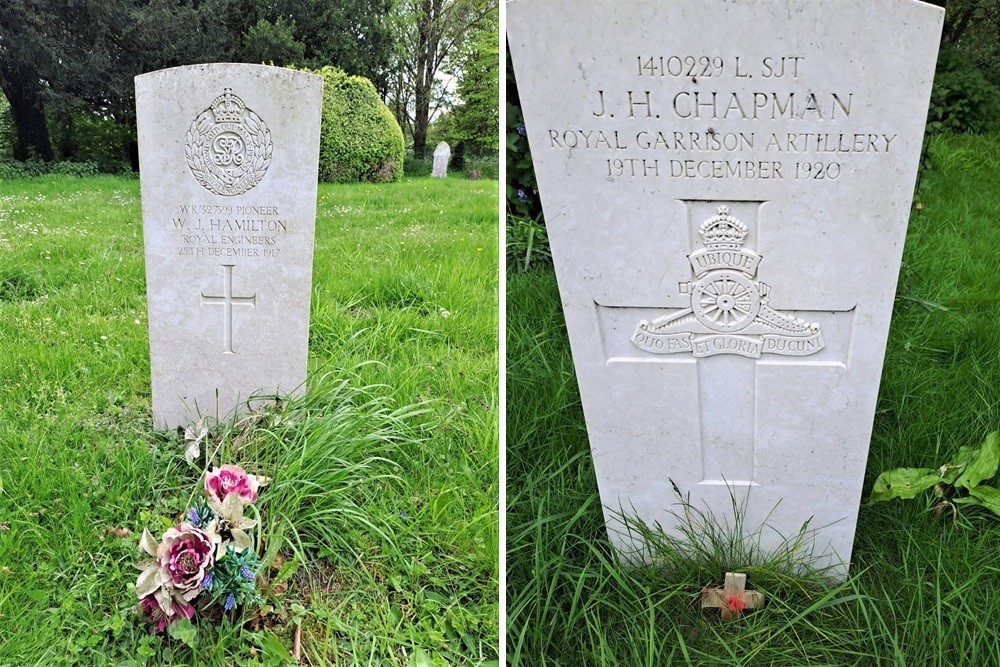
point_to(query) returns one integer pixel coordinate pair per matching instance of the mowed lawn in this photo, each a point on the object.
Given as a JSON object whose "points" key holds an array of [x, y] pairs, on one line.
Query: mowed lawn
{"points": [[924, 589], [382, 523]]}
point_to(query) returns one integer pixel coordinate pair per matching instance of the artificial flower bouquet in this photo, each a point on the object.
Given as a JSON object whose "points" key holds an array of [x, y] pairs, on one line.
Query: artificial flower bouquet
{"points": [[206, 561]]}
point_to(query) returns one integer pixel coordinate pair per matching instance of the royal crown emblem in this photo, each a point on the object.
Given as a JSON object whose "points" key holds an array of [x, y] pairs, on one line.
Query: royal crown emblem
{"points": [[729, 311], [228, 147], [723, 230]]}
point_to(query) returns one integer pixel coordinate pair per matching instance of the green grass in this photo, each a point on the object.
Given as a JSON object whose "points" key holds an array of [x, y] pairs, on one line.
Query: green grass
{"points": [[922, 590], [381, 525]]}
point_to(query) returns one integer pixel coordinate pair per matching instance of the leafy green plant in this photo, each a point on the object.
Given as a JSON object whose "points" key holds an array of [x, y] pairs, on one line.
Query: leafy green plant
{"points": [[522, 188], [962, 100], [527, 242], [957, 482]]}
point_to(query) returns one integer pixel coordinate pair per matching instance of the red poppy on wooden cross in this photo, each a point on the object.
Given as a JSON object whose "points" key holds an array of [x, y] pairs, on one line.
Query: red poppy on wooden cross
{"points": [[732, 598]]}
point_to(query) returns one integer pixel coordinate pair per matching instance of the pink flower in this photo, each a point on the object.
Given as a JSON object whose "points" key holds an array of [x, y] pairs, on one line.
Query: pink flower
{"points": [[159, 618], [219, 482], [183, 557]]}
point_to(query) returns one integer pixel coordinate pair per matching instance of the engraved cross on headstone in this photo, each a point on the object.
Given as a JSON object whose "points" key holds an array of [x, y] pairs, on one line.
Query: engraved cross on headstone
{"points": [[729, 329], [227, 301]]}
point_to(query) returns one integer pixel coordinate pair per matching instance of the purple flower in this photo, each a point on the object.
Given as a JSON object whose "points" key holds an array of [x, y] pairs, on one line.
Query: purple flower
{"points": [[193, 516], [230, 601], [207, 581], [522, 195], [220, 482], [520, 130], [184, 557], [246, 573], [158, 618]]}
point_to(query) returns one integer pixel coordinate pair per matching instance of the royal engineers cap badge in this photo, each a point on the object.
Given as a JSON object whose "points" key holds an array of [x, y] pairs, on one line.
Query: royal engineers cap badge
{"points": [[228, 147]]}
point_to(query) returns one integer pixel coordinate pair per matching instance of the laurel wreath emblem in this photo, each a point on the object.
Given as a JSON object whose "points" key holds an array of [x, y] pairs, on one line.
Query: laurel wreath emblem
{"points": [[198, 152]]}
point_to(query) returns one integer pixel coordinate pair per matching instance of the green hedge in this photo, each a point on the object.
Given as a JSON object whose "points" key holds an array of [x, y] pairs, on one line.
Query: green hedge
{"points": [[360, 139], [13, 169]]}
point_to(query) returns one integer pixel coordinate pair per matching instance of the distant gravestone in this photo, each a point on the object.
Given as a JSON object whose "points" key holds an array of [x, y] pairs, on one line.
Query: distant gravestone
{"points": [[726, 187], [441, 155], [228, 163]]}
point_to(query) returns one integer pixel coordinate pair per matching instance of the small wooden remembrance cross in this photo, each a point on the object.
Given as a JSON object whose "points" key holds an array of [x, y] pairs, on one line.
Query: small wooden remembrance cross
{"points": [[732, 598]]}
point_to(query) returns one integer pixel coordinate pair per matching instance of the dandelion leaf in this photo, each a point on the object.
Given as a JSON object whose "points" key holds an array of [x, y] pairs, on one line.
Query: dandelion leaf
{"points": [[984, 465], [988, 497], [951, 470], [904, 483]]}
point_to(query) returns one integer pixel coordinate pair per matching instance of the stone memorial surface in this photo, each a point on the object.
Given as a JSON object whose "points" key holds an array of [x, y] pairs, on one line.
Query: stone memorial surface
{"points": [[726, 187], [228, 159], [441, 156]]}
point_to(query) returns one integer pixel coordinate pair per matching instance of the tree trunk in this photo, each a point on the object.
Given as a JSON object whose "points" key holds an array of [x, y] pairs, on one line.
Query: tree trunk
{"points": [[421, 120], [428, 38], [28, 110]]}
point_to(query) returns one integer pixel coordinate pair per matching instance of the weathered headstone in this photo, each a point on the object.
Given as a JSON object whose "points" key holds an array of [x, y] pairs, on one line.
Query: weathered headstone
{"points": [[228, 162], [441, 155], [726, 186]]}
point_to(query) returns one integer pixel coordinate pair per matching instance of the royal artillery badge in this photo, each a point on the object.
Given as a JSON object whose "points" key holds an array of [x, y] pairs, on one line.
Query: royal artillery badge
{"points": [[728, 312], [228, 147]]}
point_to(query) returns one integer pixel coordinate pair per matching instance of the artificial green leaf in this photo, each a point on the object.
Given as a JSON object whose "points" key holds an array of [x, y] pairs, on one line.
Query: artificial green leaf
{"points": [[903, 483], [148, 582], [989, 496], [147, 543], [985, 464]]}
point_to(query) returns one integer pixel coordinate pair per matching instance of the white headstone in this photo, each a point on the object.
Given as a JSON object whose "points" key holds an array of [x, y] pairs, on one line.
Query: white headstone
{"points": [[441, 156], [228, 159], [726, 187]]}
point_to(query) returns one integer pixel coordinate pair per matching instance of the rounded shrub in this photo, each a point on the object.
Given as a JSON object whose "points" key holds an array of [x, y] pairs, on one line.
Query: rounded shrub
{"points": [[360, 139]]}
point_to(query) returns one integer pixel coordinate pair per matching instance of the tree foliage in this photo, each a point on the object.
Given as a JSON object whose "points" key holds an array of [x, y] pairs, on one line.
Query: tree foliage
{"points": [[267, 42], [55, 52], [429, 36], [476, 118], [85, 55], [353, 35], [972, 28]]}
